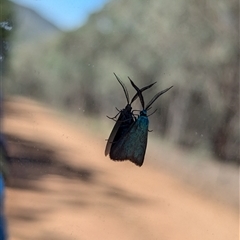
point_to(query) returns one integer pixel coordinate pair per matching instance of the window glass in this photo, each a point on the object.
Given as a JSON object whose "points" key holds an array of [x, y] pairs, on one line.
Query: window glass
{"points": [[160, 166]]}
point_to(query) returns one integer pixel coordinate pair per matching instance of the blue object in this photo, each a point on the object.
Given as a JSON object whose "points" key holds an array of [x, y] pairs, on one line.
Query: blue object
{"points": [[3, 233], [125, 119], [3, 158], [132, 146]]}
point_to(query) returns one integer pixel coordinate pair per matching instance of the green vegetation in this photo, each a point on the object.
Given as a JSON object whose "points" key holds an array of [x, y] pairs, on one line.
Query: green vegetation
{"points": [[192, 45], [6, 18]]}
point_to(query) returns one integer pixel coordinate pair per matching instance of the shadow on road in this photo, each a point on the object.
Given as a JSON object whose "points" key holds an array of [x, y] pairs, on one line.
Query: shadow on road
{"points": [[33, 160]]}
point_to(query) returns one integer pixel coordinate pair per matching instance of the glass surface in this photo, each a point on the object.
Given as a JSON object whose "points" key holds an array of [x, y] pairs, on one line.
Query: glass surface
{"points": [[58, 60]]}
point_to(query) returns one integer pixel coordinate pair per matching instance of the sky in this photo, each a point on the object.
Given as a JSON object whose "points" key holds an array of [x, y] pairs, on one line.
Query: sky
{"points": [[65, 14]]}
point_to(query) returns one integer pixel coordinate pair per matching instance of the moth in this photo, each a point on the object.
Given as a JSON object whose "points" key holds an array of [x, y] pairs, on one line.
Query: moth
{"points": [[132, 145], [125, 119]]}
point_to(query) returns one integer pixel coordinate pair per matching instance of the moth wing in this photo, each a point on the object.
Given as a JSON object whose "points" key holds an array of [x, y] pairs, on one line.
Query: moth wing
{"points": [[113, 134], [132, 146], [124, 120]]}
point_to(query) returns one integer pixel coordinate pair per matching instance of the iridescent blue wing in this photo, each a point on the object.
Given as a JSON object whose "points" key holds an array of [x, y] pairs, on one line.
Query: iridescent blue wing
{"points": [[132, 146]]}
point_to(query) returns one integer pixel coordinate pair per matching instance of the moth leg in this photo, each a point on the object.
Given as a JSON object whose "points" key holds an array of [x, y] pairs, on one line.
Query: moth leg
{"points": [[136, 111], [125, 120], [113, 118], [152, 113]]}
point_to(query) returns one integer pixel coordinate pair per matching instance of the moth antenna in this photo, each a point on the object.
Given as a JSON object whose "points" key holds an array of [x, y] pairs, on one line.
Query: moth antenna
{"points": [[156, 97], [124, 88], [142, 89], [139, 93]]}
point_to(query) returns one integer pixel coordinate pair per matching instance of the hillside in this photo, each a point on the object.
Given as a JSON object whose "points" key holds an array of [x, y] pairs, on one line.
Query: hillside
{"points": [[30, 27]]}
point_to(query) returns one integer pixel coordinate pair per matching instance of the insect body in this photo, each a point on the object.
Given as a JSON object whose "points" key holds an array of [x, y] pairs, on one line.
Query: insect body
{"points": [[125, 120], [132, 145]]}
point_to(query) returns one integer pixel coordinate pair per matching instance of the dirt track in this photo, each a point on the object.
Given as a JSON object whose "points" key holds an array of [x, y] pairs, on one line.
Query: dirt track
{"points": [[63, 187]]}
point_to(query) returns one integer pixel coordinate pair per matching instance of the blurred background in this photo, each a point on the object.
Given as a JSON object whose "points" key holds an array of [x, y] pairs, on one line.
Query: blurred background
{"points": [[57, 86]]}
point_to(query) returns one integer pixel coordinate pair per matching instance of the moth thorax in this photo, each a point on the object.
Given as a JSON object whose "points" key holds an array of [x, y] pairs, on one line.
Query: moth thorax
{"points": [[128, 107], [143, 113]]}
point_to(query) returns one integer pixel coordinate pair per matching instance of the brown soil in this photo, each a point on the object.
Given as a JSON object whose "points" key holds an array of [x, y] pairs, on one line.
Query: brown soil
{"points": [[63, 187]]}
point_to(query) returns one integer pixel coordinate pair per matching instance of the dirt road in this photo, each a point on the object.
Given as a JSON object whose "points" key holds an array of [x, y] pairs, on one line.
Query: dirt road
{"points": [[63, 187]]}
